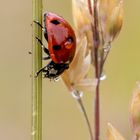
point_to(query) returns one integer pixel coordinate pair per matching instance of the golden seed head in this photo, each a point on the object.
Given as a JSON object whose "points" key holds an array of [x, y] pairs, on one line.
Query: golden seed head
{"points": [[75, 77], [113, 134], [111, 18], [135, 111], [82, 20], [80, 14]]}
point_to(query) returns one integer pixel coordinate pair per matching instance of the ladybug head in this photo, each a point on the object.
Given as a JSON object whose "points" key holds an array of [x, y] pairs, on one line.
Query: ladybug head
{"points": [[53, 18]]}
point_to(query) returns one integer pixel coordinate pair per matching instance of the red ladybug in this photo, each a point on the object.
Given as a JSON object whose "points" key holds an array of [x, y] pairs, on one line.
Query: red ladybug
{"points": [[61, 45]]}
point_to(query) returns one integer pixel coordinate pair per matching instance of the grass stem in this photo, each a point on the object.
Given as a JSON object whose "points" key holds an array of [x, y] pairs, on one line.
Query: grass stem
{"points": [[36, 65], [98, 71], [77, 94]]}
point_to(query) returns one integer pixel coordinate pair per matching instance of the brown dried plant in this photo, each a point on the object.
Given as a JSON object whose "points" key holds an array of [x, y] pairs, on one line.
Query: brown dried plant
{"points": [[97, 24], [135, 112]]}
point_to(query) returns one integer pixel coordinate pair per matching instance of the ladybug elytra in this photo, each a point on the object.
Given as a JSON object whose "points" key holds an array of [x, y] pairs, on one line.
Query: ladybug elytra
{"points": [[61, 45]]}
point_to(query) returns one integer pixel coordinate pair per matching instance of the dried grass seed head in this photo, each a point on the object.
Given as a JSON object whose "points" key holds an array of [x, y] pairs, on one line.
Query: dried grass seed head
{"points": [[82, 20], [75, 77], [111, 18], [135, 111], [113, 134]]}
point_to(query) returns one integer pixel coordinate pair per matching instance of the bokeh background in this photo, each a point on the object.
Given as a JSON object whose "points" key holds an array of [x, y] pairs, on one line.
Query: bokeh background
{"points": [[62, 118]]}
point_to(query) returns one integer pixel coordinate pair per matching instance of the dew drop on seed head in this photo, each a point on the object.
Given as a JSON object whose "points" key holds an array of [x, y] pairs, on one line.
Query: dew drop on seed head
{"points": [[103, 76], [77, 94]]}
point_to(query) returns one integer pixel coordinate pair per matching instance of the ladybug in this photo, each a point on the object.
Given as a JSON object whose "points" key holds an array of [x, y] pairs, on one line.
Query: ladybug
{"points": [[61, 45]]}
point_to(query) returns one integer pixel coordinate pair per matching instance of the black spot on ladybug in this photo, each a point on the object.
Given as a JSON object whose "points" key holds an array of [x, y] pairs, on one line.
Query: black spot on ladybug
{"points": [[70, 39], [56, 47], [56, 22]]}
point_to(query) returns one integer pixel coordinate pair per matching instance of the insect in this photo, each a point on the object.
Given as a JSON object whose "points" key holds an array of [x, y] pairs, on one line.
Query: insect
{"points": [[61, 45]]}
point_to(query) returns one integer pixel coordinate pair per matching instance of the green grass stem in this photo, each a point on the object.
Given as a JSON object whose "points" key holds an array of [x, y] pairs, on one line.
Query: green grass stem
{"points": [[36, 65]]}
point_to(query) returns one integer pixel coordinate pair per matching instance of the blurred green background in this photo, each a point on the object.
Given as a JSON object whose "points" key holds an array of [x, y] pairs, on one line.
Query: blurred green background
{"points": [[62, 119]]}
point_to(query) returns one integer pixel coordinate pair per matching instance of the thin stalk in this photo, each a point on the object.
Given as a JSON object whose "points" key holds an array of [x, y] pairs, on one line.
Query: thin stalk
{"points": [[97, 112], [80, 102], [96, 43], [97, 70], [90, 7], [36, 65]]}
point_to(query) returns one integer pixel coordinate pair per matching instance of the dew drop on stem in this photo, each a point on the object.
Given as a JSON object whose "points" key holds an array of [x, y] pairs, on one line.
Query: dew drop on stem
{"points": [[103, 76], [77, 94]]}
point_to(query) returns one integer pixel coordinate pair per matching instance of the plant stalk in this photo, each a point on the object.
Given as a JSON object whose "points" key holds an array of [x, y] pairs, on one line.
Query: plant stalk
{"points": [[90, 7], [36, 65], [97, 112], [96, 43], [80, 102]]}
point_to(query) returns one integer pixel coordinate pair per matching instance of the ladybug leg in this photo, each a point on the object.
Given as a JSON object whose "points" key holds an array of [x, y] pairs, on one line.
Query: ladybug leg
{"points": [[37, 22], [44, 48], [46, 70], [53, 70], [41, 70], [43, 29], [46, 58]]}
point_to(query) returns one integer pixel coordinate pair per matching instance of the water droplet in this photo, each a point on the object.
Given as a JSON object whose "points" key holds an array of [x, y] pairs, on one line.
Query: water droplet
{"points": [[77, 94], [33, 133], [103, 76], [56, 79], [34, 113], [107, 48]]}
